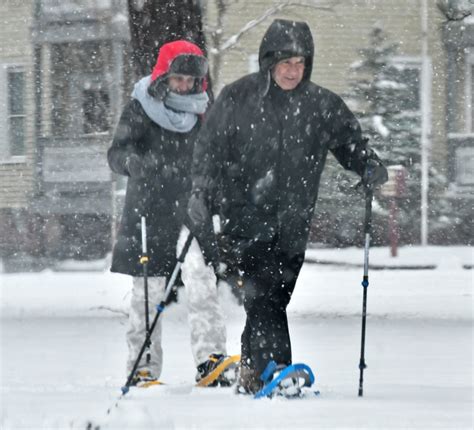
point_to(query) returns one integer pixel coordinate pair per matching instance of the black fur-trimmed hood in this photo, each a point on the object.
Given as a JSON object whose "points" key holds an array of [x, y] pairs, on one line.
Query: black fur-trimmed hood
{"points": [[285, 39]]}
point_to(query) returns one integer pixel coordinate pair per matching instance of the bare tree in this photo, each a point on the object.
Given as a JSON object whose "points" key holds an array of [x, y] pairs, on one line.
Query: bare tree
{"points": [[455, 10], [155, 22], [215, 32]]}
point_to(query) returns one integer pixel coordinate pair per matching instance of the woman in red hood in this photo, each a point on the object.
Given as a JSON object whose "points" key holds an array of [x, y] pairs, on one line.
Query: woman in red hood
{"points": [[153, 146]]}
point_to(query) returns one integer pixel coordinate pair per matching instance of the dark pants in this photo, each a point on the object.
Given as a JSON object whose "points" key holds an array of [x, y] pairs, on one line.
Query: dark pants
{"points": [[269, 280]]}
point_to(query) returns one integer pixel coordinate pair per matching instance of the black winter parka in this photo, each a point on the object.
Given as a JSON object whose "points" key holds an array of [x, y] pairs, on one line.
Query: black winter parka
{"points": [[262, 150], [161, 197]]}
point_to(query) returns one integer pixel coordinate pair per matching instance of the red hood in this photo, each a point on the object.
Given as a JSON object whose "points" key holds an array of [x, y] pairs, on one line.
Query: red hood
{"points": [[169, 52]]}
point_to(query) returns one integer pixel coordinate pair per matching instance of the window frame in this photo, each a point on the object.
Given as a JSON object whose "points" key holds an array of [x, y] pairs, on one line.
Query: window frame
{"points": [[99, 90], [414, 63], [6, 156], [468, 99]]}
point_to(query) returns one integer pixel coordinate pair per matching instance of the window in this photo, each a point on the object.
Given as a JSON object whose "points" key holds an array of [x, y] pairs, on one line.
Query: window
{"points": [[465, 165], [12, 112], [408, 72], [16, 111], [469, 99], [469, 92], [80, 89], [95, 106]]}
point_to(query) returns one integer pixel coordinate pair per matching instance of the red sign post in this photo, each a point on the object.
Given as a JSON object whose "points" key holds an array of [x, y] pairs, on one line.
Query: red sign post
{"points": [[394, 188]]}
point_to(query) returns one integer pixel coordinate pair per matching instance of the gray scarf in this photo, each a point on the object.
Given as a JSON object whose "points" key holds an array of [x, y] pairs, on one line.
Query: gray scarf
{"points": [[177, 112]]}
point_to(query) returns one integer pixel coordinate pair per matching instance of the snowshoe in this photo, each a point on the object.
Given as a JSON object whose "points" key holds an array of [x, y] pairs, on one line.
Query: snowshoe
{"points": [[219, 369], [287, 381], [144, 379]]}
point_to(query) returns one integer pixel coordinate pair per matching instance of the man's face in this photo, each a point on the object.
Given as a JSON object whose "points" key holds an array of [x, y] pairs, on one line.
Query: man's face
{"points": [[288, 73], [181, 84]]}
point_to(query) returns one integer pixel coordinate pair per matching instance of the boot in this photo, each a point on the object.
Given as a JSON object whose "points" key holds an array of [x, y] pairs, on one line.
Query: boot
{"points": [[144, 378], [249, 381], [225, 379]]}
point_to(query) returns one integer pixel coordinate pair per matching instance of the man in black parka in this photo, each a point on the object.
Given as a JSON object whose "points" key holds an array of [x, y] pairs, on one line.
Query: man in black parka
{"points": [[259, 158], [152, 147]]}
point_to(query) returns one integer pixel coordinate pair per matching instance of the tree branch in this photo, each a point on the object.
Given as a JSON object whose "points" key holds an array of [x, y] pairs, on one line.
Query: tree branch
{"points": [[232, 41], [455, 10], [107, 308]]}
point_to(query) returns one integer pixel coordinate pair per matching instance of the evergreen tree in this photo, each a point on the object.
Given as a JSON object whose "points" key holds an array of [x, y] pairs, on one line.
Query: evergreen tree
{"points": [[387, 102], [368, 100], [385, 96], [388, 107]]}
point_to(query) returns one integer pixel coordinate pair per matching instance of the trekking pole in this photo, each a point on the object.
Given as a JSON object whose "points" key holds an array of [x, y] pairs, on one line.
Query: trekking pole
{"points": [[144, 261], [159, 310], [365, 284], [90, 425]]}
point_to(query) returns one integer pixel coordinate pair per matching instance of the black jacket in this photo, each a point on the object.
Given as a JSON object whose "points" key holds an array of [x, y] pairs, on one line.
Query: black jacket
{"points": [[161, 197], [262, 150]]}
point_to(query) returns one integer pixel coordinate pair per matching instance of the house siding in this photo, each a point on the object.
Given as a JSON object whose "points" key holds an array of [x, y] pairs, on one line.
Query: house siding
{"points": [[17, 177], [339, 35]]}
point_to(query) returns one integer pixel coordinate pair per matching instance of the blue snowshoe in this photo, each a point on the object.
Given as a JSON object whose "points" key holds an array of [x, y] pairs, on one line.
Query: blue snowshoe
{"points": [[287, 381]]}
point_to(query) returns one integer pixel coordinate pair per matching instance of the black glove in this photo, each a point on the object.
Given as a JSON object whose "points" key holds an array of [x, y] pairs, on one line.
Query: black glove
{"points": [[375, 174], [198, 211], [141, 166]]}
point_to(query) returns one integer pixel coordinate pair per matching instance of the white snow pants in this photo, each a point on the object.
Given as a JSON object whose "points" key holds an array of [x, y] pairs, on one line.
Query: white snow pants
{"points": [[205, 318]]}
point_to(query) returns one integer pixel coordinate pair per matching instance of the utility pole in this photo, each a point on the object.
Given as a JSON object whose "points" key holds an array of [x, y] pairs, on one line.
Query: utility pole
{"points": [[425, 120]]}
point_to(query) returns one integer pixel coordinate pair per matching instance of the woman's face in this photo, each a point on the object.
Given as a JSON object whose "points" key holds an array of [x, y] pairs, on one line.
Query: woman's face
{"points": [[181, 84]]}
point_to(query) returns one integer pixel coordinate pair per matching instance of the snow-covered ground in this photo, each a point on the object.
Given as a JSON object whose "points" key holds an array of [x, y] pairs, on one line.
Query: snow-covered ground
{"points": [[63, 350]]}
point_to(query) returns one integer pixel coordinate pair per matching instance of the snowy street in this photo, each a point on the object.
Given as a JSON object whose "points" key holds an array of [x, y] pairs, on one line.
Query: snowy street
{"points": [[307, 162], [63, 356]]}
